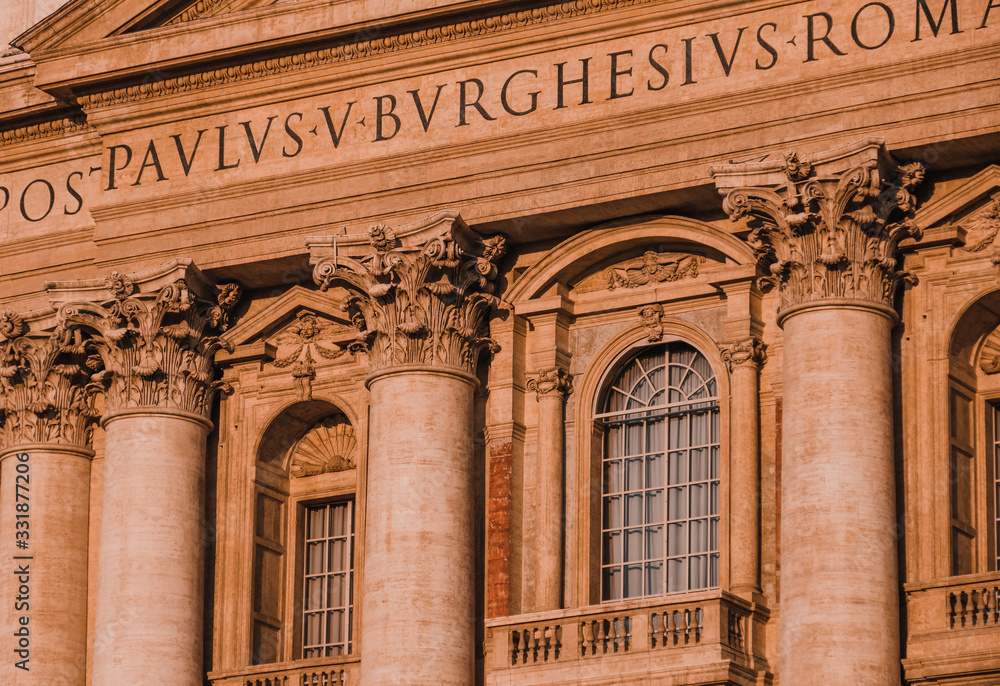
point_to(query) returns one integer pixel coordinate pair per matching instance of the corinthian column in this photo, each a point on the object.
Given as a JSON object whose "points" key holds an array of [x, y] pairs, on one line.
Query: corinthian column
{"points": [[744, 359], [44, 504], [551, 387], [421, 309], [154, 335], [826, 229]]}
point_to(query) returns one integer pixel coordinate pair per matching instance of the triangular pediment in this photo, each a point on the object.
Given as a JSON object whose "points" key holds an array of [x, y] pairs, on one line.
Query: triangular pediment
{"points": [[265, 334], [964, 215]]}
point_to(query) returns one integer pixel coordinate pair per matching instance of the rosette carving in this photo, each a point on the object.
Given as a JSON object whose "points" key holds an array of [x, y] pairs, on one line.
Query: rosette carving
{"points": [[749, 352], [157, 349], [551, 382], [44, 395], [826, 229], [427, 305]]}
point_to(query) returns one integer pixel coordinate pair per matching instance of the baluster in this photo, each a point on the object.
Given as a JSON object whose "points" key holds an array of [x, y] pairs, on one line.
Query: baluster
{"points": [[984, 602], [536, 644], [550, 643], [687, 625], [698, 615], [627, 626], [526, 649], [964, 601], [996, 604], [664, 628], [587, 645], [618, 637], [601, 642], [653, 623], [677, 626], [950, 601]]}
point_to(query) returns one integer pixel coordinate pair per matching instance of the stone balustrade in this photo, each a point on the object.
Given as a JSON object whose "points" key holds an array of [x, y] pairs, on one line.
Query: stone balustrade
{"points": [[343, 671], [704, 632], [948, 622]]}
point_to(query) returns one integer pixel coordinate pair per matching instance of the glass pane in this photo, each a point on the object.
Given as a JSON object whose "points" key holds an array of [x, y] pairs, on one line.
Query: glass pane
{"points": [[335, 593], [313, 626], [713, 571], [654, 436], [633, 474], [715, 497], [654, 506], [338, 555], [676, 539], [613, 512], [654, 471], [677, 503], [633, 581], [614, 441], [314, 557], [316, 523], [701, 429], [654, 542], [633, 545], [676, 576], [613, 476], [699, 535], [334, 626], [654, 578], [678, 467], [677, 432], [699, 500], [612, 583], [714, 537], [633, 439], [699, 572], [699, 464], [715, 457], [613, 548], [633, 510]]}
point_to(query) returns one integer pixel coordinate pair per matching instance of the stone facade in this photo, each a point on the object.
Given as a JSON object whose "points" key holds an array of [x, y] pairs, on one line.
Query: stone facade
{"points": [[480, 343]]}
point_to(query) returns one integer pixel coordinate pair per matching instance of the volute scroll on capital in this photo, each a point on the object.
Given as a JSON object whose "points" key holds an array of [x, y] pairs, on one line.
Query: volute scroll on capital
{"points": [[44, 394], [156, 347], [427, 304], [548, 383], [747, 353], [826, 226]]}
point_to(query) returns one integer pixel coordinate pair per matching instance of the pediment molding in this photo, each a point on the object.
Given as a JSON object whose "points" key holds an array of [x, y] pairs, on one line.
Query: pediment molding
{"points": [[256, 335], [945, 220]]}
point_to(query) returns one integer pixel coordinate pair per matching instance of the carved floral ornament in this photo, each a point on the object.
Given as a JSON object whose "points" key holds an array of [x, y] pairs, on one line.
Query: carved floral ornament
{"points": [[154, 349], [653, 267], [44, 395], [750, 352], [823, 231], [428, 305], [651, 316], [556, 382], [300, 345]]}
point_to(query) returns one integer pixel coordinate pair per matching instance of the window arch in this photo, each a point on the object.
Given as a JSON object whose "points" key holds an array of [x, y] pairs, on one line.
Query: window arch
{"points": [[660, 475]]}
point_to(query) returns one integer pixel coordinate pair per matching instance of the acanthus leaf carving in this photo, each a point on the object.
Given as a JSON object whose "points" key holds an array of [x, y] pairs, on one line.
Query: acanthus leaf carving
{"points": [[653, 267], [825, 231], [157, 349], [551, 382], [44, 394], [749, 352], [428, 305]]}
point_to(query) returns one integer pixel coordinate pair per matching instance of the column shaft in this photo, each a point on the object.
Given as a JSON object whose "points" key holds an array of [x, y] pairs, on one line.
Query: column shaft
{"points": [[418, 604], [54, 484], [745, 481], [839, 591], [150, 579], [549, 515]]}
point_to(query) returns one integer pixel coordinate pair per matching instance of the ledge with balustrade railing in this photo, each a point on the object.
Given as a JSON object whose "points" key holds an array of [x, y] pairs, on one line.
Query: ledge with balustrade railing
{"points": [[713, 635], [953, 630], [339, 671]]}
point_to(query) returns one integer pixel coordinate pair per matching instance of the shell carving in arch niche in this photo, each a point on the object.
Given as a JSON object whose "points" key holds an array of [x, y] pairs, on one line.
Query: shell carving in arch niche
{"points": [[989, 356], [329, 446]]}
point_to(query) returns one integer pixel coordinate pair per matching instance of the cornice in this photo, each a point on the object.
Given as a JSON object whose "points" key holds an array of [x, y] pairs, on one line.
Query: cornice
{"points": [[202, 8], [66, 126], [350, 51]]}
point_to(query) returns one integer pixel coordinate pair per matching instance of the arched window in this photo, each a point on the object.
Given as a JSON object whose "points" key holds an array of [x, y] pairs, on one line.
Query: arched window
{"points": [[660, 514]]}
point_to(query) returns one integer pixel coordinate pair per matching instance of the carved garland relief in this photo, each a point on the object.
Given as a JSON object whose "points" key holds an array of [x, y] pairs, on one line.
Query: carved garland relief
{"points": [[653, 267], [300, 345]]}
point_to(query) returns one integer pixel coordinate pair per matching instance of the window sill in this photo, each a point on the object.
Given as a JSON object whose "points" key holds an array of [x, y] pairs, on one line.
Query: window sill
{"points": [[330, 671]]}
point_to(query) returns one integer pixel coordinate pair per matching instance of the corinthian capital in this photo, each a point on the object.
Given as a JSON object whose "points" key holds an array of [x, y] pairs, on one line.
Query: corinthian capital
{"points": [[155, 334], [551, 382], [749, 352], [826, 226], [44, 396], [425, 303]]}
